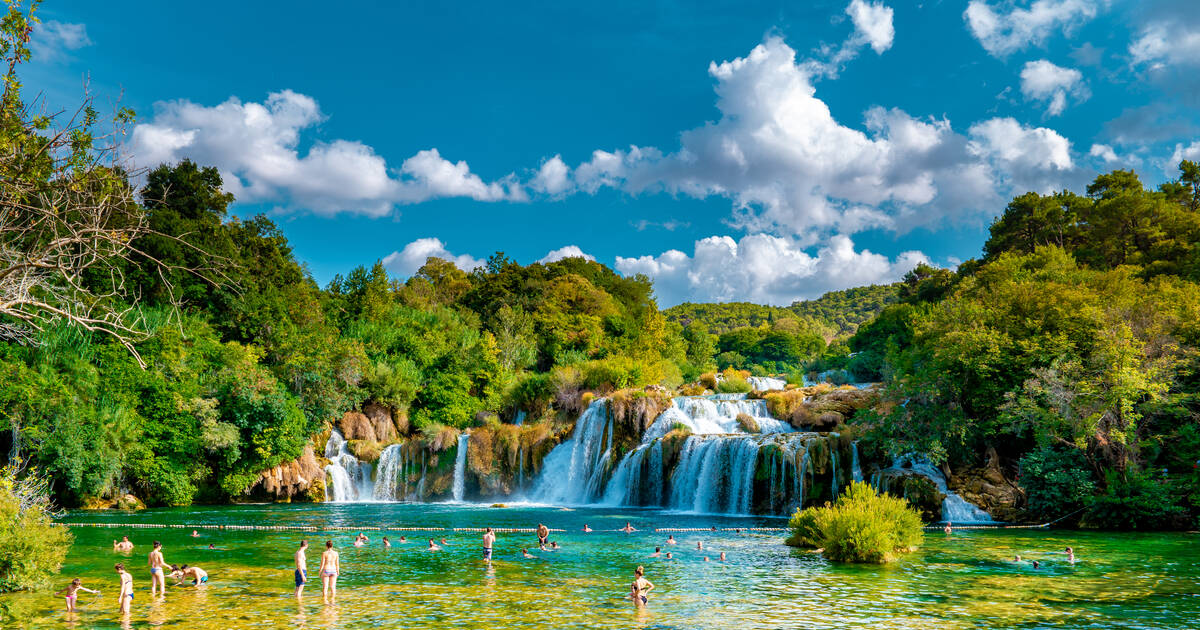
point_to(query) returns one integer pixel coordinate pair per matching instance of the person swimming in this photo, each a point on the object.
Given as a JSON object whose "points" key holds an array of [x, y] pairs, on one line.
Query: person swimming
{"points": [[443, 541], [699, 546], [639, 590], [1036, 564], [71, 593], [722, 556], [1070, 555], [554, 546], [195, 534], [211, 546], [669, 556], [586, 529], [657, 553], [947, 528], [628, 528], [706, 558], [403, 540], [433, 546], [386, 543], [671, 540], [1016, 559], [525, 553]]}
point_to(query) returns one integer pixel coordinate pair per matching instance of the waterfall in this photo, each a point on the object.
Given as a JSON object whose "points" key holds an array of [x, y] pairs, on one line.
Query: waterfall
{"points": [[519, 419], [348, 478], [855, 468], [765, 383], [832, 443], [460, 467], [954, 508], [388, 473], [520, 466], [705, 415], [574, 472]]}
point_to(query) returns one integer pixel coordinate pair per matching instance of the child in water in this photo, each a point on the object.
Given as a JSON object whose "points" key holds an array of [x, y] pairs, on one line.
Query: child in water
{"points": [[71, 592]]}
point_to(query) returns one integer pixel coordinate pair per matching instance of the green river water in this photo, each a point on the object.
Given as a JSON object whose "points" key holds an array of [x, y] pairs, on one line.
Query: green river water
{"points": [[963, 580]]}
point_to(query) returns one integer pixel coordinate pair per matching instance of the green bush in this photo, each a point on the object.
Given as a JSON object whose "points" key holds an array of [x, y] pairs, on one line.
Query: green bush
{"points": [[733, 384], [1136, 502], [862, 526], [31, 548], [1057, 481]]}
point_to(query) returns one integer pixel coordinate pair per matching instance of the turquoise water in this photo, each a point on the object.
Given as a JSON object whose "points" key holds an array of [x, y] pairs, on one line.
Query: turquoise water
{"points": [[965, 580]]}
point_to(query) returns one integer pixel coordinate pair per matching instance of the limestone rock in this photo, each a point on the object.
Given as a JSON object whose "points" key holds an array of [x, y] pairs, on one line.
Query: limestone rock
{"points": [[292, 478]]}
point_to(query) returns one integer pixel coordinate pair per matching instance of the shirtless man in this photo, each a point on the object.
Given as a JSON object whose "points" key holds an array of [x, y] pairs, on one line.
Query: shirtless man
{"points": [[488, 540], [640, 589], [699, 546], [301, 568], [196, 574], [543, 533], [586, 529], [1070, 555], [158, 579], [124, 545], [125, 594], [947, 528], [330, 568], [657, 553], [195, 534], [671, 539], [628, 528]]}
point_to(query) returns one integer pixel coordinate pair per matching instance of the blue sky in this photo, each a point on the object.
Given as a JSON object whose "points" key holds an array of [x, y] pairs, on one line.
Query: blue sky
{"points": [[762, 151]]}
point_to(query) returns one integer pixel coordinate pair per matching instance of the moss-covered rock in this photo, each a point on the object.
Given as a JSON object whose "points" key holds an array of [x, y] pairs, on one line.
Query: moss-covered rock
{"points": [[821, 407], [748, 423]]}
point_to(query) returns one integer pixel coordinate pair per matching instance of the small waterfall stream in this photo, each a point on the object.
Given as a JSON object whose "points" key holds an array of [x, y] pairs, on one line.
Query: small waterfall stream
{"points": [[954, 507], [347, 479], [460, 467]]}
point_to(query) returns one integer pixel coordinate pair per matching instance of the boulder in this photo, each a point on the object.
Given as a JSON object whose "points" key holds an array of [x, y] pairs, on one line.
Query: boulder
{"points": [[292, 478], [748, 423]]}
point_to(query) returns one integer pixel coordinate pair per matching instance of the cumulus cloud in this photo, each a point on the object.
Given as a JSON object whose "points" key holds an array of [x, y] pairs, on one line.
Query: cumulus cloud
{"points": [[1104, 152], [553, 177], [407, 261], [1045, 82], [765, 269], [570, 251], [1189, 152], [256, 146], [1005, 30], [873, 22], [790, 167], [52, 39]]}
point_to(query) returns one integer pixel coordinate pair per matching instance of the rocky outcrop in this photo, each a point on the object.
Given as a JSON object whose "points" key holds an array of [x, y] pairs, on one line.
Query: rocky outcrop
{"points": [[990, 489], [120, 502], [634, 410], [375, 423], [821, 407], [303, 477]]}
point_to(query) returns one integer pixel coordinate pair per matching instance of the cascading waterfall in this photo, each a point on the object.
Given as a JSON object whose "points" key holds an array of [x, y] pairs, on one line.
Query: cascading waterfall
{"points": [[766, 383], [954, 507], [575, 471], [460, 467], [388, 474], [856, 472], [832, 441], [348, 478], [705, 415]]}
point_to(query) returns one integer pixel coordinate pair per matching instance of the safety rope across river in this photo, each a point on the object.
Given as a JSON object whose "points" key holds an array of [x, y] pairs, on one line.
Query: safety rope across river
{"points": [[304, 528]]}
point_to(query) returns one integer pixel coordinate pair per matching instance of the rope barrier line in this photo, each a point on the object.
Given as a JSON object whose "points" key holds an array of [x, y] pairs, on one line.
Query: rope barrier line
{"points": [[304, 528]]}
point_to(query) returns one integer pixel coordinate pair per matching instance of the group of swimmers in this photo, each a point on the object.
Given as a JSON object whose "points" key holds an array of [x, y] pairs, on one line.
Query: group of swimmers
{"points": [[1037, 564], [330, 566]]}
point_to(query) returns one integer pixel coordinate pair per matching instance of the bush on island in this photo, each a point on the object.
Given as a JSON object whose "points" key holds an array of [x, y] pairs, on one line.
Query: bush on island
{"points": [[862, 526]]}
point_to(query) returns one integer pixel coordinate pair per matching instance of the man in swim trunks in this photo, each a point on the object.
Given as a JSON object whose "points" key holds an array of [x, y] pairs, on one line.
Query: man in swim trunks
{"points": [[543, 533], [488, 540], [124, 545], [301, 568], [640, 589], [330, 568], [125, 595], [196, 574], [158, 579]]}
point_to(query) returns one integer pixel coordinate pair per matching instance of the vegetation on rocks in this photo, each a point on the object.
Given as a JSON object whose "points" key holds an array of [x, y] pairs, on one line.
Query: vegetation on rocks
{"points": [[861, 526]]}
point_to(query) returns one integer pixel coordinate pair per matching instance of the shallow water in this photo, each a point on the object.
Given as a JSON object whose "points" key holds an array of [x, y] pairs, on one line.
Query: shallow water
{"points": [[965, 580]]}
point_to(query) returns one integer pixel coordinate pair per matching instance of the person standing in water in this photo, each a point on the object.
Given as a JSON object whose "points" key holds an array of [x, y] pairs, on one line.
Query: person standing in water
{"points": [[1070, 555], [629, 528], [586, 529], [488, 540], [124, 545], [543, 533], [386, 543], [948, 529], [125, 595], [639, 591], [330, 568], [71, 593], [301, 568], [158, 578]]}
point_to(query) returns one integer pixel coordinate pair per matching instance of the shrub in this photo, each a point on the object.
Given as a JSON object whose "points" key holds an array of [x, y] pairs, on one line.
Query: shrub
{"points": [[862, 526], [31, 548], [709, 380], [733, 382], [748, 423], [1057, 481], [1136, 502]]}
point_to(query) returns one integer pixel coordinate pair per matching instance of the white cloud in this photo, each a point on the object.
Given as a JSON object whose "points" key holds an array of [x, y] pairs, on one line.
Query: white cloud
{"points": [[553, 177], [1189, 152], [1104, 152], [873, 22], [1045, 82], [52, 39], [407, 261], [790, 167], [570, 251], [1033, 159], [764, 269], [256, 146], [1167, 43], [1002, 33]]}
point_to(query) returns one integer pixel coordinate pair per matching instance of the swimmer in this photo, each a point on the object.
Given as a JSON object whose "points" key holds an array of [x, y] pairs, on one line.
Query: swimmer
{"points": [[124, 545], [671, 540], [71, 593], [543, 533], [586, 529], [125, 596], [699, 546], [628, 528], [301, 568], [657, 553], [363, 537], [386, 543], [1036, 564], [443, 541], [196, 574], [706, 558], [195, 534], [331, 566], [639, 591], [947, 528], [1017, 559], [403, 540], [358, 540], [525, 553], [210, 546], [433, 546], [489, 539], [157, 564], [669, 556], [1070, 555], [554, 546], [722, 556], [542, 547]]}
